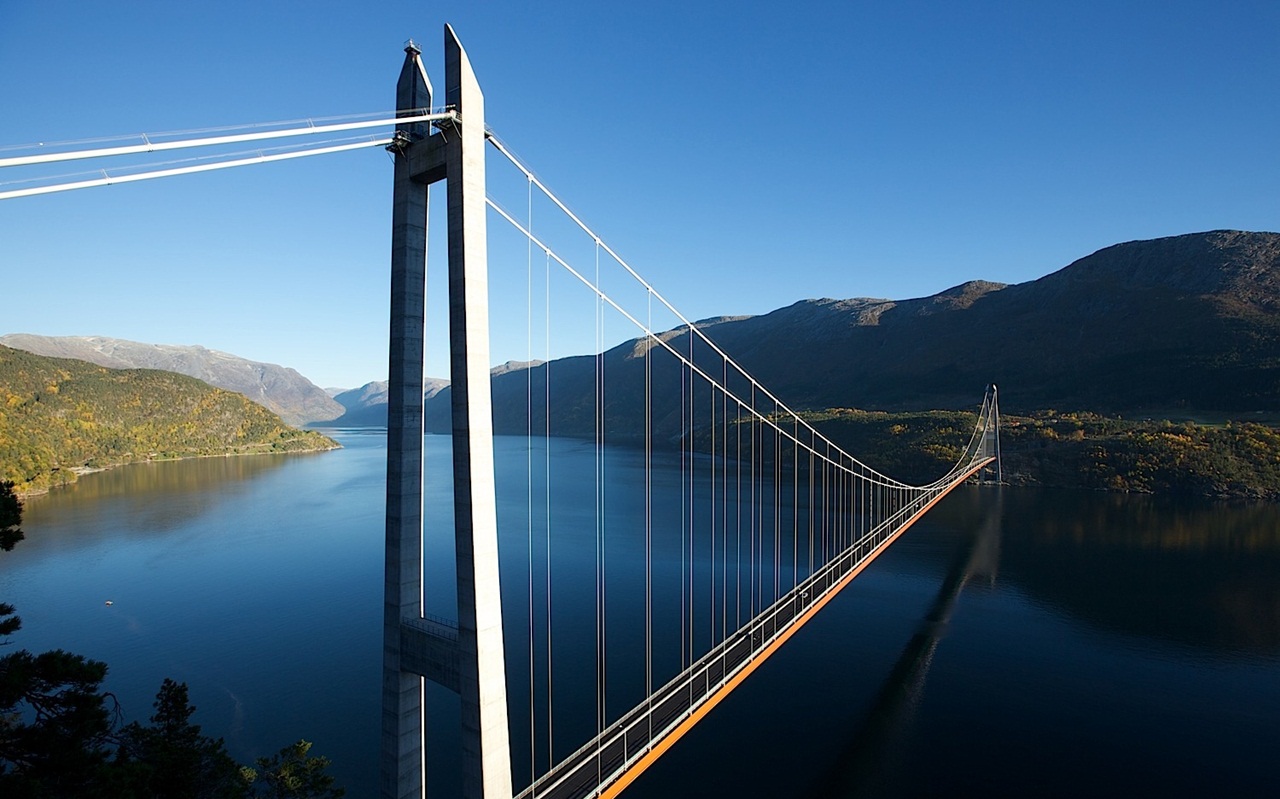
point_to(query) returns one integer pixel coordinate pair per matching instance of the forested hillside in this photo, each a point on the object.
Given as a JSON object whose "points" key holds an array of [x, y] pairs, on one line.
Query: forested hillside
{"points": [[1238, 460], [60, 416], [279, 389]]}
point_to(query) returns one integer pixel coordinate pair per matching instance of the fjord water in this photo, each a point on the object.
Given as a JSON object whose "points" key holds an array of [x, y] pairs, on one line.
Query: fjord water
{"points": [[1015, 642]]}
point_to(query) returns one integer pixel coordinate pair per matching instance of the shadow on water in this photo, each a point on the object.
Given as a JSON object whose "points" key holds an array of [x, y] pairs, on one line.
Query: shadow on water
{"points": [[876, 752]]}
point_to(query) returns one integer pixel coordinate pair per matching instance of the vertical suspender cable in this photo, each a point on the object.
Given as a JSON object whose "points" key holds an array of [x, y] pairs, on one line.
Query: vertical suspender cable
{"points": [[546, 415], [711, 561], [777, 505], [684, 513], [845, 533], [692, 472], [599, 432], [724, 503], [528, 468], [795, 506], [755, 567], [737, 520], [813, 483], [648, 517], [690, 409]]}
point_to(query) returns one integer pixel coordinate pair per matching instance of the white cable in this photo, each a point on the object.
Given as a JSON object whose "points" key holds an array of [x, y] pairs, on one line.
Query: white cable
{"points": [[206, 141], [217, 129], [657, 339], [528, 449], [107, 180], [547, 467], [498, 144]]}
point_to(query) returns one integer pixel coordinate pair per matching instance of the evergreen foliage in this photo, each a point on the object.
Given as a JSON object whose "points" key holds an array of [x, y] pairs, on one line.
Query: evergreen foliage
{"points": [[292, 773], [10, 517], [55, 724], [170, 759], [59, 417]]}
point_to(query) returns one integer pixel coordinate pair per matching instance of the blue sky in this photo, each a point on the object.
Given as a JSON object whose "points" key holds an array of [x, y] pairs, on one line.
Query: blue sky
{"points": [[741, 155]]}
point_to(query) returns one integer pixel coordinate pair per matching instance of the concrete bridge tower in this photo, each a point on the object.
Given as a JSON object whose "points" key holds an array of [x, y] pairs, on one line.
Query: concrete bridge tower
{"points": [[469, 658]]}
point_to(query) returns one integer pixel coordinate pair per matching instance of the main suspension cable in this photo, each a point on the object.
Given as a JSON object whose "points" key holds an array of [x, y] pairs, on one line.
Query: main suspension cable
{"points": [[150, 145], [261, 157]]}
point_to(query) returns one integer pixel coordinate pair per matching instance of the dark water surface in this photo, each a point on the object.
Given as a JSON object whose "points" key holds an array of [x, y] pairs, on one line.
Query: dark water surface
{"points": [[1014, 642]]}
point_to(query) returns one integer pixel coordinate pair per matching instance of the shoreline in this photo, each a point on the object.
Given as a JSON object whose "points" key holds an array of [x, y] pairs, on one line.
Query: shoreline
{"points": [[80, 471]]}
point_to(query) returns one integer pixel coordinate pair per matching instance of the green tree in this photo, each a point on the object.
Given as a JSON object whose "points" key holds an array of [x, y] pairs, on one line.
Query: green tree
{"points": [[10, 517], [55, 721], [292, 774], [56, 724], [170, 759], [10, 535]]}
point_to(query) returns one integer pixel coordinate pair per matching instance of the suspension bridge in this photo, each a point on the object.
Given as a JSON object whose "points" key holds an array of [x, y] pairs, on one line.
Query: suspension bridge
{"points": [[774, 518]]}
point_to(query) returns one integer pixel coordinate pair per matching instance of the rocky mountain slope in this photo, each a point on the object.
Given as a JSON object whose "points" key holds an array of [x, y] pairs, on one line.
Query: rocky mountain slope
{"points": [[277, 388]]}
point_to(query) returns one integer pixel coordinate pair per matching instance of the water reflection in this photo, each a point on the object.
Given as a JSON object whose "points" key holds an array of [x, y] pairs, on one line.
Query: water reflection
{"points": [[156, 498], [1199, 575], [875, 754], [1152, 524]]}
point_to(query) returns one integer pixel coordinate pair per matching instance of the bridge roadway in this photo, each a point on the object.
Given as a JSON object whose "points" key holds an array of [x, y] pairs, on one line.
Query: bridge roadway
{"points": [[616, 757]]}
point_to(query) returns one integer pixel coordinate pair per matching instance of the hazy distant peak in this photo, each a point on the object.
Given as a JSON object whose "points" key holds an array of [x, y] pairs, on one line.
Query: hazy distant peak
{"points": [[370, 393]]}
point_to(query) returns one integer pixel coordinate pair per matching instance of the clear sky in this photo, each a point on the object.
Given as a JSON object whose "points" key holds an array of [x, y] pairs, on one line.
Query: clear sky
{"points": [[742, 155]]}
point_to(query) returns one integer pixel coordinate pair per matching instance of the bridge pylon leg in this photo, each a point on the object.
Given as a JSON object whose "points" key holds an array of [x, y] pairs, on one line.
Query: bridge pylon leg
{"points": [[474, 663], [486, 750], [403, 771]]}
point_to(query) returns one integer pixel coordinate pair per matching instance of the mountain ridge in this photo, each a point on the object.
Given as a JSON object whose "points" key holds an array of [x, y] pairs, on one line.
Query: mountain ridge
{"points": [[1184, 323], [280, 389]]}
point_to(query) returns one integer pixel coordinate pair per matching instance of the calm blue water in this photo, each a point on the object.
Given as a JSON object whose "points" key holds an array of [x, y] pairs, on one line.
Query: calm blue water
{"points": [[1015, 642]]}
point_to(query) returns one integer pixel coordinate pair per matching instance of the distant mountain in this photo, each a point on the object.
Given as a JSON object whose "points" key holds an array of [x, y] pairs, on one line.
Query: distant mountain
{"points": [[373, 393], [279, 389], [1171, 325], [367, 406], [62, 416]]}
